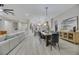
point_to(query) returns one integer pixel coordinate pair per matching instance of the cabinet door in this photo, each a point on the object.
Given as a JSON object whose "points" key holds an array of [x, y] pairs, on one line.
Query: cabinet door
{"points": [[70, 36], [61, 35], [65, 35], [77, 38], [4, 47]]}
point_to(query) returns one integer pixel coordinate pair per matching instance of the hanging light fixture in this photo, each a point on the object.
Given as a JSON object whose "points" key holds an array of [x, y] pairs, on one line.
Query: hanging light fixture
{"points": [[7, 11], [46, 11], [47, 23]]}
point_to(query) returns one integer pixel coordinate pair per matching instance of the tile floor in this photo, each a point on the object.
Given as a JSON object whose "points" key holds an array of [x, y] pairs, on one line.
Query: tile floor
{"points": [[32, 45]]}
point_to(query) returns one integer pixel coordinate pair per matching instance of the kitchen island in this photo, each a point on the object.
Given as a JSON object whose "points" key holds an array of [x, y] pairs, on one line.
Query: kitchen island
{"points": [[11, 41]]}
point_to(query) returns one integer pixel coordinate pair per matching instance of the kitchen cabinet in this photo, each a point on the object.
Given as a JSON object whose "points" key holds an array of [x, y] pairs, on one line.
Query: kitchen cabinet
{"points": [[70, 36]]}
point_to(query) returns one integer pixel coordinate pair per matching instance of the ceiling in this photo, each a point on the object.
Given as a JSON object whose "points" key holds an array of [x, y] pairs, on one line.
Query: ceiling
{"points": [[36, 11]]}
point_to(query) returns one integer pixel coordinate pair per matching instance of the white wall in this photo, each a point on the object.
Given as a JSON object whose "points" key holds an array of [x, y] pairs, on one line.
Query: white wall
{"points": [[6, 26], [10, 26], [74, 11], [1, 24], [22, 26]]}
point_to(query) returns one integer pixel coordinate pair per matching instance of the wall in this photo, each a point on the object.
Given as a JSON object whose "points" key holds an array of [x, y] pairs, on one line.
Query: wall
{"points": [[11, 26], [1, 24], [8, 26], [74, 11], [22, 26]]}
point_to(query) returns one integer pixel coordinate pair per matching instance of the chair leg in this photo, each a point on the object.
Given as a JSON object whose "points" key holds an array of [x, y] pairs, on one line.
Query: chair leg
{"points": [[58, 46], [51, 47]]}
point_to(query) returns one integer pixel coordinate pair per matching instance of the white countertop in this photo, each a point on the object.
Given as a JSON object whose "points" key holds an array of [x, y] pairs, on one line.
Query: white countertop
{"points": [[14, 33], [46, 33]]}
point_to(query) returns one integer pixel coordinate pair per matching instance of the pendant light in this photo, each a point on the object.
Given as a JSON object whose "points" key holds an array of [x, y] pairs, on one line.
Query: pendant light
{"points": [[47, 23]]}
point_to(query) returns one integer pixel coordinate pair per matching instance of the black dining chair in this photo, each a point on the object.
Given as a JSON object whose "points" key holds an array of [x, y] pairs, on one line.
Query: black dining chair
{"points": [[55, 40]]}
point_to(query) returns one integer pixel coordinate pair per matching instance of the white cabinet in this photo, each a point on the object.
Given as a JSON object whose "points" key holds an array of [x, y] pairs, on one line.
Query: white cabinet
{"points": [[4, 47], [9, 44]]}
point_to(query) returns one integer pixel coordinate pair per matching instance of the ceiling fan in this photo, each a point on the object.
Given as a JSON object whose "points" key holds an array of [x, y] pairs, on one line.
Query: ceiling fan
{"points": [[7, 11]]}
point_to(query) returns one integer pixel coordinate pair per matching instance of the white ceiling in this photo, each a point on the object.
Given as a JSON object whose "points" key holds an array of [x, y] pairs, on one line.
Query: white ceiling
{"points": [[29, 11]]}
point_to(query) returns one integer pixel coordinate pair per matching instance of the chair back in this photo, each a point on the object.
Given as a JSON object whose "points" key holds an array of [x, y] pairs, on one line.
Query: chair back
{"points": [[55, 37]]}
